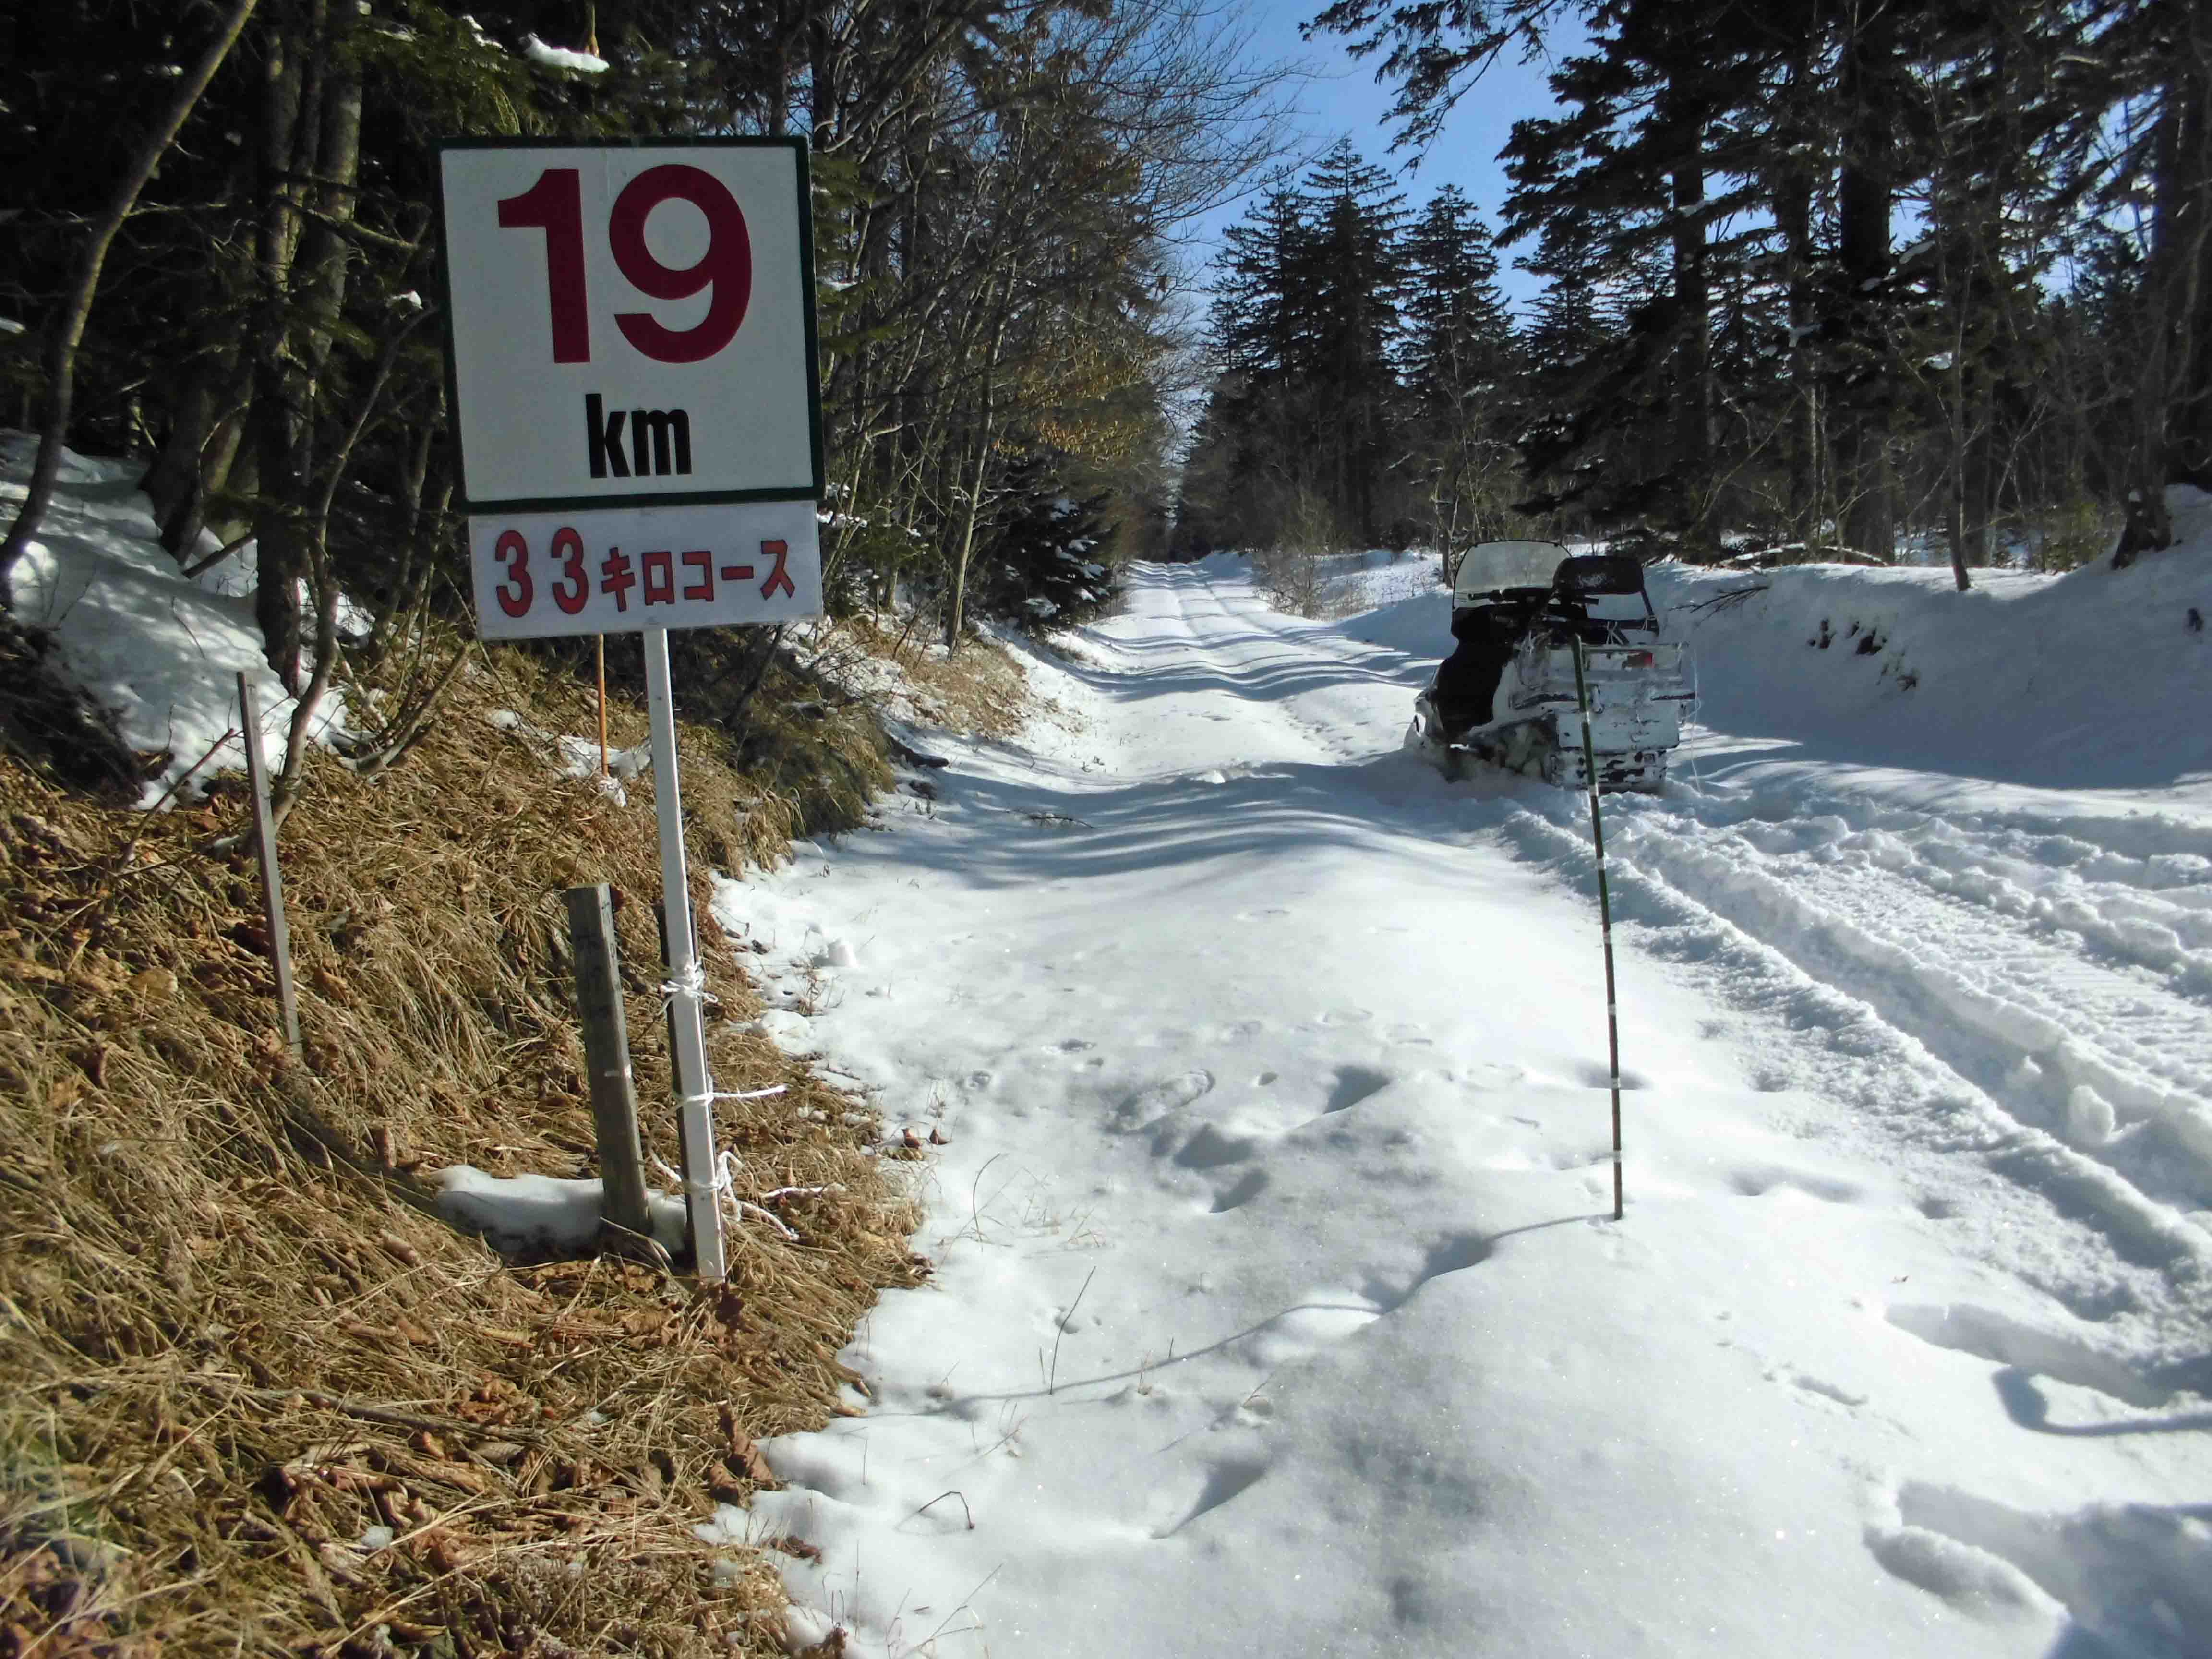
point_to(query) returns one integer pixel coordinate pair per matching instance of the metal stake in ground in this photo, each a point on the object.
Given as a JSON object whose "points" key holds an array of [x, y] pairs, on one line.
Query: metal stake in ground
{"points": [[1605, 918], [272, 882], [694, 1090]]}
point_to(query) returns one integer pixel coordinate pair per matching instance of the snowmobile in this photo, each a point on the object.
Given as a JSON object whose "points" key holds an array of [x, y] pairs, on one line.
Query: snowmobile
{"points": [[1506, 696]]}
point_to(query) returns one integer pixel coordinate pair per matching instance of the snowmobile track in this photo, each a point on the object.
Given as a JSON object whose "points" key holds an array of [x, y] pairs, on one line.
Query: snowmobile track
{"points": [[2076, 1004]]}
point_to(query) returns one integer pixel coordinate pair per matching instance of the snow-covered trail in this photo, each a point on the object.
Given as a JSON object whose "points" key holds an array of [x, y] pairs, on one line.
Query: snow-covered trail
{"points": [[2070, 980], [1279, 1306]]}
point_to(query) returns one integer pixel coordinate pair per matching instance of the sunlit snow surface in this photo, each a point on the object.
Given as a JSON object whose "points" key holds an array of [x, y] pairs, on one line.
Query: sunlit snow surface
{"points": [[160, 651], [1279, 1308]]}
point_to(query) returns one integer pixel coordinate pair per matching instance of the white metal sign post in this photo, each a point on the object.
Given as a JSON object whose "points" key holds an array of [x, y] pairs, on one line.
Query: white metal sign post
{"points": [[631, 358]]}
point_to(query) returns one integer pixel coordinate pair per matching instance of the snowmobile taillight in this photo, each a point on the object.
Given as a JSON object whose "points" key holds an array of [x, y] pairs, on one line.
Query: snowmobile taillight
{"points": [[1637, 659]]}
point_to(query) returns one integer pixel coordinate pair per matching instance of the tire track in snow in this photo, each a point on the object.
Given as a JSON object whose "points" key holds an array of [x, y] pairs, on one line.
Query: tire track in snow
{"points": [[2155, 913], [2151, 909], [1207, 650], [2038, 1206], [2106, 1052]]}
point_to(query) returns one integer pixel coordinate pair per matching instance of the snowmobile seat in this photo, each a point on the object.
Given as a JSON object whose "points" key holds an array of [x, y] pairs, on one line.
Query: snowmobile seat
{"points": [[1601, 598], [1466, 685], [1585, 573]]}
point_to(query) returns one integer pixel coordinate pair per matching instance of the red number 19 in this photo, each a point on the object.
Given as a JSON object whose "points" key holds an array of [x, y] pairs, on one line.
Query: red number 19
{"points": [[554, 205]]}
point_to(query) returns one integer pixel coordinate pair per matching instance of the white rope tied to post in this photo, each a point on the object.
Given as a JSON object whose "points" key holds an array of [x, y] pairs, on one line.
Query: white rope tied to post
{"points": [[725, 1183], [693, 980], [672, 1177], [713, 1094], [725, 1189]]}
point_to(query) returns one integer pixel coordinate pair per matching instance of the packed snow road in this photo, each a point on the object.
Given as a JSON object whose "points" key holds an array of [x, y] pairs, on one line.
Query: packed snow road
{"points": [[1279, 1306]]}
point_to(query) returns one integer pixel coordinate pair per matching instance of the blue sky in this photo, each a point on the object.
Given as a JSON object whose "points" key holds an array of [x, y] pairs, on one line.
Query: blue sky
{"points": [[1338, 97]]}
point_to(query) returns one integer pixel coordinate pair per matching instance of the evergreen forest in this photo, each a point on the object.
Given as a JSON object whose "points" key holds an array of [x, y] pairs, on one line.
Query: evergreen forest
{"points": [[1856, 278], [220, 257], [1860, 278]]}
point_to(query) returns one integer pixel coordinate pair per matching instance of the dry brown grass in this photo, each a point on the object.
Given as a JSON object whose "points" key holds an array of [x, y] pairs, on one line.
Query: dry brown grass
{"points": [[979, 689], [231, 1338]]}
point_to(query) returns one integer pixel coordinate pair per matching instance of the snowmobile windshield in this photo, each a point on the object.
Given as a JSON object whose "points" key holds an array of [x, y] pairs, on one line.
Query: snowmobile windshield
{"points": [[1499, 568]]}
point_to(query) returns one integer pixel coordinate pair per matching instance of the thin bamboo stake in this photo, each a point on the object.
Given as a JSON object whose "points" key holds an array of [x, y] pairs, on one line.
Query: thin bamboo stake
{"points": [[1605, 919], [600, 641]]}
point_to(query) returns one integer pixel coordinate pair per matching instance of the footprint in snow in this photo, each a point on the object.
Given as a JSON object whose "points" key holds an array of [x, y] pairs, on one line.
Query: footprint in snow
{"points": [[1354, 1084], [1247, 1187], [1322, 1319], [2026, 1351], [2127, 1577], [1207, 1148], [1757, 1180], [1229, 1477], [1452, 1253], [1816, 1385], [1157, 1099]]}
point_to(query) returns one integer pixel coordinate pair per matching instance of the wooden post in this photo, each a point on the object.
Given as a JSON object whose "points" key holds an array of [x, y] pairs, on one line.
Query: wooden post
{"points": [[694, 1089], [272, 883], [606, 1052]]}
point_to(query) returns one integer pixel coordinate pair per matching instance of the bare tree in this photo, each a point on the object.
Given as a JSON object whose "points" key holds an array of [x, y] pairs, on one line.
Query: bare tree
{"points": [[68, 329]]}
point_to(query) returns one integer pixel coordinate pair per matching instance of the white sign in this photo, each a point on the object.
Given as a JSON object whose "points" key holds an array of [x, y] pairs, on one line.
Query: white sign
{"points": [[631, 323], [616, 570]]}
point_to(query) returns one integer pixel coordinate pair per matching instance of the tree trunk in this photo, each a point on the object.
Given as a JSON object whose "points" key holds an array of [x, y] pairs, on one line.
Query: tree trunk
{"points": [[311, 116], [1864, 192], [76, 304], [273, 425], [956, 613], [2189, 436], [326, 252], [2173, 401], [175, 484], [1793, 218], [1693, 371], [1956, 515]]}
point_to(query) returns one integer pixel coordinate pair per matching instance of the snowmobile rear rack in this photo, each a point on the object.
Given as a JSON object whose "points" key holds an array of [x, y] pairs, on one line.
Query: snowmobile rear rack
{"points": [[1507, 695]]}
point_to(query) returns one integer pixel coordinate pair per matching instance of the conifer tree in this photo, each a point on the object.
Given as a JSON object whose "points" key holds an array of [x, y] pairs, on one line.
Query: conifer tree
{"points": [[1345, 278], [1621, 188], [1833, 235], [1306, 404], [1461, 377]]}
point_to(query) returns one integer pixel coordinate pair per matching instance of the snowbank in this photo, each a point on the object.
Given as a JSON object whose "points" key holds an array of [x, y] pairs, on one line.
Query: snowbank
{"points": [[2096, 679], [2093, 680], [537, 1215], [160, 650]]}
